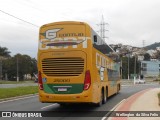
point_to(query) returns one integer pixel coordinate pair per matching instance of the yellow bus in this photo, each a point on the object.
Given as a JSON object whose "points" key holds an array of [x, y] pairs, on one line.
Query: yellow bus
{"points": [[73, 65]]}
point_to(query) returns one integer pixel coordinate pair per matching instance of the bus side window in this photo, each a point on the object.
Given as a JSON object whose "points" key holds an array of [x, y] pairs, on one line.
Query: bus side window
{"points": [[95, 38]]}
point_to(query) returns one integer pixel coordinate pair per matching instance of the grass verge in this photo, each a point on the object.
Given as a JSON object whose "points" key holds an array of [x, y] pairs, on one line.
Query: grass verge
{"points": [[18, 91]]}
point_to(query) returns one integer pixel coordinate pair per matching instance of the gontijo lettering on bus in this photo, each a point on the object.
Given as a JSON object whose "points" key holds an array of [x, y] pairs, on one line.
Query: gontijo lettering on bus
{"points": [[53, 40]]}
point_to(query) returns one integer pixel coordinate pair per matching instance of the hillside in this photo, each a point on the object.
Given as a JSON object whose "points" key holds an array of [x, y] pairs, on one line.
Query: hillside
{"points": [[153, 46]]}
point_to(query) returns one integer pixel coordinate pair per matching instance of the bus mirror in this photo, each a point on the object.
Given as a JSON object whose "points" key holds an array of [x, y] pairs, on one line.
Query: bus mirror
{"points": [[95, 38]]}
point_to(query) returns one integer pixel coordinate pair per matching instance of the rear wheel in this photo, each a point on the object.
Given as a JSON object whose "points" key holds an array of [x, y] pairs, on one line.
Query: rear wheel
{"points": [[104, 100], [63, 104], [101, 100], [118, 88]]}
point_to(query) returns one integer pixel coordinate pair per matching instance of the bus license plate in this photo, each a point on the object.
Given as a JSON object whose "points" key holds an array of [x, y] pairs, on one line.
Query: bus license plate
{"points": [[62, 89]]}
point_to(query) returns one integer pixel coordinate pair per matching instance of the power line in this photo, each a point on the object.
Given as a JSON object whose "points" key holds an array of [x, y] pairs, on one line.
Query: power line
{"points": [[19, 18]]}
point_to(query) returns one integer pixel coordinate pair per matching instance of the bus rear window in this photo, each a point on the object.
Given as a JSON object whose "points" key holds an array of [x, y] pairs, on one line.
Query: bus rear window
{"points": [[63, 43]]}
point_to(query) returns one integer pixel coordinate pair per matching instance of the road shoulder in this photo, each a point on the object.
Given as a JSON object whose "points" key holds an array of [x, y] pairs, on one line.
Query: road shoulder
{"points": [[146, 100]]}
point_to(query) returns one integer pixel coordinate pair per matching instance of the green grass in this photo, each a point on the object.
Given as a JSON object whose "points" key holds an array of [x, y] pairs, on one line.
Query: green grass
{"points": [[18, 91], [15, 82]]}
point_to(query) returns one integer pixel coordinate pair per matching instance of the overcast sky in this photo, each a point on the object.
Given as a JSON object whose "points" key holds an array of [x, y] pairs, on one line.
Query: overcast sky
{"points": [[130, 21]]}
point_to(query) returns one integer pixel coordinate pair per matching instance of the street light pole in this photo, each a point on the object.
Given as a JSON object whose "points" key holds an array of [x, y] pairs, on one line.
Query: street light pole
{"points": [[128, 66], [135, 70], [135, 65]]}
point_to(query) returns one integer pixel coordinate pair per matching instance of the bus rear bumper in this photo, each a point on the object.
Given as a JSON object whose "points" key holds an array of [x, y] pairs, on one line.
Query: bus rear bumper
{"points": [[65, 98]]}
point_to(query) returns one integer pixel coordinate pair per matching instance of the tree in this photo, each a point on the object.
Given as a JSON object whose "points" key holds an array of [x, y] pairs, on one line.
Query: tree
{"points": [[4, 52], [33, 67], [158, 54], [124, 67], [9, 68], [21, 64], [132, 66], [147, 57]]}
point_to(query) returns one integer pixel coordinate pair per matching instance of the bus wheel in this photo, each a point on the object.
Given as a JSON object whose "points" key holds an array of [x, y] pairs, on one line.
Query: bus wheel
{"points": [[104, 100], [63, 104], [118, 88], [100, 102]]}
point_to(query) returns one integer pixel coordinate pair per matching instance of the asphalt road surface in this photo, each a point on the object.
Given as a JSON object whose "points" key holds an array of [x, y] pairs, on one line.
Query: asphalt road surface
{"points": [[78, 111]]}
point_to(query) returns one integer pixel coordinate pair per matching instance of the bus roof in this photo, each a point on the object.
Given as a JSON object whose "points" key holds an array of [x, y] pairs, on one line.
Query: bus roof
{"points": [[64, 22]]}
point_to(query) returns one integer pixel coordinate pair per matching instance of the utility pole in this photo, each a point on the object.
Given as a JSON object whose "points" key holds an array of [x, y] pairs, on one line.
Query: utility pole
{"points": [[102, 28], [17, 70]]}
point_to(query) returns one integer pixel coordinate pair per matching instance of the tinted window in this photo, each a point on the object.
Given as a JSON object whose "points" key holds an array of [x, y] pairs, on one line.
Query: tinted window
{"points": [[100, 44]]}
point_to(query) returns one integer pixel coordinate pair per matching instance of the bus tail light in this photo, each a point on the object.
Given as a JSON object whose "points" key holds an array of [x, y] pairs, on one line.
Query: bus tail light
{"points": [[40, 83], [87, 81]]}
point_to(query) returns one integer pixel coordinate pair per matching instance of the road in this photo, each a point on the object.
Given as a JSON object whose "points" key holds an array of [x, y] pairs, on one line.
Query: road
{"points": [[31, 103]]}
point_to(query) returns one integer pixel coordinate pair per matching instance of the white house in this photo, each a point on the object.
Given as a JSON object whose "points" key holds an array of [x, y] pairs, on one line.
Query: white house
{"points": [[150, 68]]}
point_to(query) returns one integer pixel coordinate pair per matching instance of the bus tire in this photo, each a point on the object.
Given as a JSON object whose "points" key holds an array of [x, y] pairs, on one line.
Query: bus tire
{"points": [[101, 100], [104, 100], [118, 88], [63, 104]]}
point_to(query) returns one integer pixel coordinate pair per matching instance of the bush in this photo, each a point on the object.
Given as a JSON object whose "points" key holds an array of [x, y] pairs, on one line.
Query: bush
{"points": [[159, 97]]}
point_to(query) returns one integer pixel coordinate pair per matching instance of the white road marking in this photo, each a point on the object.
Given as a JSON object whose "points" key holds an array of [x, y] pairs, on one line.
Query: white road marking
{"points": [[18, 99], [49, 106], [113, 109]]}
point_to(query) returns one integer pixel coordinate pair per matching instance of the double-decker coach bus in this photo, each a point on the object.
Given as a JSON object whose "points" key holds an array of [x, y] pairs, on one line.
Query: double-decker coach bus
{"points": [[73, 65]]}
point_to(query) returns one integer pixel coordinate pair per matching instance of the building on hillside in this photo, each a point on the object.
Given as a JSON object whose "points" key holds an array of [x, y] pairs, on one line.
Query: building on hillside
{"points": [[150, 68], [140, 57], [139, 53], [158, 48], [151, 52]]}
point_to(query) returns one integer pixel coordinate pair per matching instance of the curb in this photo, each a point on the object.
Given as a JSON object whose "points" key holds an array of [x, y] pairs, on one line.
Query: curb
{"points": [[113, 109], [11, 98]]}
